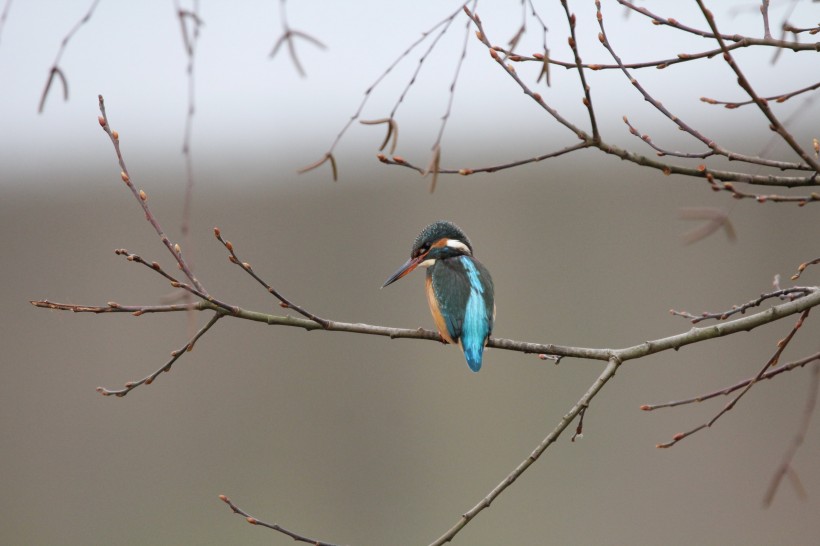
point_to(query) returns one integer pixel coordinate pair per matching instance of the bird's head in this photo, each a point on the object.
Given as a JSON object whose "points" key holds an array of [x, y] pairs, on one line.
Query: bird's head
{"points": [[438, 241]]}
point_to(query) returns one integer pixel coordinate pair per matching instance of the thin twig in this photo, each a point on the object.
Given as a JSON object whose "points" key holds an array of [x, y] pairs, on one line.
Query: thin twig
{"points": [[284, 302], [682, 125], [147, 380], [802, 267], [154, 266], [368, 92], [288, 37], [776, 125], [573, 44], [435, 160], [799, 437], [190, 39], [114, 307], [729, 390], [142, 199], [674, 23], [781, 346], [276, 527], [578, 408], [790, 294], [776, 98], [466, 171], [55, 70]]}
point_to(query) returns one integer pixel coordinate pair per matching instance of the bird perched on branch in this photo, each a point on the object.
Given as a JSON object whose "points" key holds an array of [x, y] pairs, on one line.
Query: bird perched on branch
{"points": [[459, 289]]}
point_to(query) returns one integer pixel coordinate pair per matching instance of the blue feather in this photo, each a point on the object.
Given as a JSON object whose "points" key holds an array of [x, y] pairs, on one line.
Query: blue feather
{"points": [[476, 326]]}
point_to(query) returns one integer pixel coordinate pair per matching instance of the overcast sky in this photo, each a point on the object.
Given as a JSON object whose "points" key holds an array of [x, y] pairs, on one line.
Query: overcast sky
{"points": [[250, 106]]}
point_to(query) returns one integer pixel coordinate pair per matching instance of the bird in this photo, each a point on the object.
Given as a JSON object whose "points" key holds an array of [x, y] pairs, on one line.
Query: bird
{"points": [[459, 288]]}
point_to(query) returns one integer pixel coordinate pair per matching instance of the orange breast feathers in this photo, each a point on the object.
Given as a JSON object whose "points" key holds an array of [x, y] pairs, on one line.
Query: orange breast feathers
{"points": [[441, 325]]}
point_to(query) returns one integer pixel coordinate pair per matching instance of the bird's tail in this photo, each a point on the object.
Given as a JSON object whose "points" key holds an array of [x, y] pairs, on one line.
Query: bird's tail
{"points": [[473, 352]]}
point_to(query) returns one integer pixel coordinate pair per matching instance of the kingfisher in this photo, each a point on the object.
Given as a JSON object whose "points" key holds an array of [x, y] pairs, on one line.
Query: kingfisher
{"points": [[459, 289]]}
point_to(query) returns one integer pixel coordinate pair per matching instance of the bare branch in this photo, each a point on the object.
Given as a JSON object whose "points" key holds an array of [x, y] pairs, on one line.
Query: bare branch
{"points": [[288, 37], [674, 342], [147, 380], [55, 67], [786, 466], [284, 302], [573, 44], [580, 406], [776, 125], [789, 294], [392, 131], [776, 98], [803, 267], [729, 390], [254, 521], [781, 346], [142, 199]]}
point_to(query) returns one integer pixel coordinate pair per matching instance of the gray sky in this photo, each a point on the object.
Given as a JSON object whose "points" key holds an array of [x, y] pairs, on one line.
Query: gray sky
{"points": [[250, 107]]}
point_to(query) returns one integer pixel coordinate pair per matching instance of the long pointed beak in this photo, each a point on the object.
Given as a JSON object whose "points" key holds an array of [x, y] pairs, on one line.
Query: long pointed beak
{"points": [[408, 266]]}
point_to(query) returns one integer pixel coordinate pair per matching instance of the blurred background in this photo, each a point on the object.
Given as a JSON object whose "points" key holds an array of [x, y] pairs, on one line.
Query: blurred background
{"points": [[359, 439]]}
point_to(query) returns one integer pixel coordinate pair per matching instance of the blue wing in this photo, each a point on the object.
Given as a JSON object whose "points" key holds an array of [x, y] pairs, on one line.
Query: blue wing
{"points": [[463, 291]]}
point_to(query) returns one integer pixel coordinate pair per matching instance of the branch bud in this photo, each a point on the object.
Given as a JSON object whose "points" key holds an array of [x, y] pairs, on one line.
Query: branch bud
{"points": [[115, 134], [125, 177], [101, 120], [143, 195], [217, 232]]}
